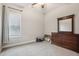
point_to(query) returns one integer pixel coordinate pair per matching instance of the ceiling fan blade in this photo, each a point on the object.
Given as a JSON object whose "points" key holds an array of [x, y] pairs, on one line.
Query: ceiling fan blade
{"points": [[34, 3]]}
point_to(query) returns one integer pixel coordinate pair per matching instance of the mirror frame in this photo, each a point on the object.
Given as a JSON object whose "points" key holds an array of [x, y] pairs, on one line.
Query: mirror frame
{"points": [[64, 18]]}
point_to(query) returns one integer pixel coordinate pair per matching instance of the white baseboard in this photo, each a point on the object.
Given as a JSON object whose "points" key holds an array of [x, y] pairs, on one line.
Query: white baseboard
{"points": [[18, 44]]}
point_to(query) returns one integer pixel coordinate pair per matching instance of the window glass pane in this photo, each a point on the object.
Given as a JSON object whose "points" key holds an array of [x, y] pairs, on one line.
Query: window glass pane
{"points": [[14, 24]]}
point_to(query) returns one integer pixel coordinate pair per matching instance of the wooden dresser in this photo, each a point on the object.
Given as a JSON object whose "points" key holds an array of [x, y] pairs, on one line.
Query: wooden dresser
{"points": [[66, 40]]}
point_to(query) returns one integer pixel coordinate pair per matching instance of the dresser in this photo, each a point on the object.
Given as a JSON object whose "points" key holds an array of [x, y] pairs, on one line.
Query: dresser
{"points": [[66, 40]]}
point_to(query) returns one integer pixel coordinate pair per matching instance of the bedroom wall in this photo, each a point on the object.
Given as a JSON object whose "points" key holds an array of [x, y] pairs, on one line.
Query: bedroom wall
{"points": [[51, 17], [32, 24]]}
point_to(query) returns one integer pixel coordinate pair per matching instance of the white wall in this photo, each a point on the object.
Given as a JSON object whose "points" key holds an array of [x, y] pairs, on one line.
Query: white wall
{"points": [[51, 17], [32, 24]]}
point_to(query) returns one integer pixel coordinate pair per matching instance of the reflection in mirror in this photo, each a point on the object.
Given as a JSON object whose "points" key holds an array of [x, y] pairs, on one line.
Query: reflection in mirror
{"points": [[65, 25]]}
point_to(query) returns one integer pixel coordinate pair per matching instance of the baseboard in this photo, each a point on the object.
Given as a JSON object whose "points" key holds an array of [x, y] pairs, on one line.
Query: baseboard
{"points": [[18, 44]]}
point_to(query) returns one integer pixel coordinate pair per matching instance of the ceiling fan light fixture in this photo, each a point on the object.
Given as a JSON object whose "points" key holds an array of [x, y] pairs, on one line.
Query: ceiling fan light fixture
{"points": [[41, 4]]}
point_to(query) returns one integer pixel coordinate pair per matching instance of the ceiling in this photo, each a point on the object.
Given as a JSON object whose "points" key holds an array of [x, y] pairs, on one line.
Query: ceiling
{"points": [[48, 6]]}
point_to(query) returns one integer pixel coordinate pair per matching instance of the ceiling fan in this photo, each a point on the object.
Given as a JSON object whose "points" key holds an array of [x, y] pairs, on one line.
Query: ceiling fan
{"points": [[42, 4]]}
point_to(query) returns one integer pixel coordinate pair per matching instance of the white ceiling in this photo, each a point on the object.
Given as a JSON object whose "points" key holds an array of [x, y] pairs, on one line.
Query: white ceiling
{"points": [[48, 6], [53, 6]]}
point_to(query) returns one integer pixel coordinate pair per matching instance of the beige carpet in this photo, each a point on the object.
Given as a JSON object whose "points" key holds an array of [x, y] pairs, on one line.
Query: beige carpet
{"points": [[38, 49]]}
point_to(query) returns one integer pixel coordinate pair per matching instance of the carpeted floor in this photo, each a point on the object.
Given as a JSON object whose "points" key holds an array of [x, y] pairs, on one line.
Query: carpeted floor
{"points": [[38, 49]]}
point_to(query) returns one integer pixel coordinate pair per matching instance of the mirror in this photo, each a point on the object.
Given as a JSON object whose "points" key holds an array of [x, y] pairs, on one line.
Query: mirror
{"points": [[65, 24]]}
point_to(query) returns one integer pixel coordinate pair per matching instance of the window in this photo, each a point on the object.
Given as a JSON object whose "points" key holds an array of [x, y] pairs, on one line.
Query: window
{"points": [[14, 24]]}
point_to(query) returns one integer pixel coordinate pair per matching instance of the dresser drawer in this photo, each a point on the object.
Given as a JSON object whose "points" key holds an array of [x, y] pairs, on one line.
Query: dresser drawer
{"points": [[66, 40], [70, 45]]}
